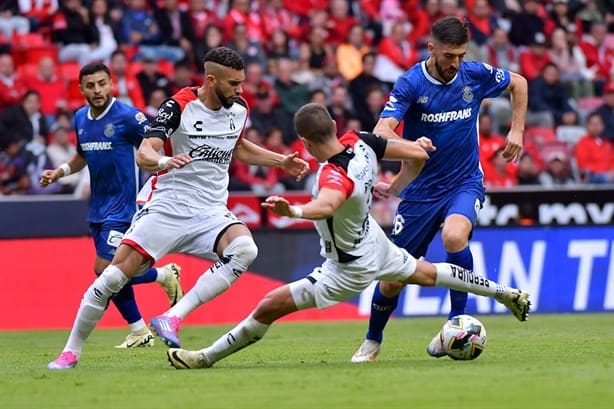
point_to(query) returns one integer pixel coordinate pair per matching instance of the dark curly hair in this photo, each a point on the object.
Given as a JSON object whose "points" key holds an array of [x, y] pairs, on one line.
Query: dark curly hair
{"points": [[225, 57]]}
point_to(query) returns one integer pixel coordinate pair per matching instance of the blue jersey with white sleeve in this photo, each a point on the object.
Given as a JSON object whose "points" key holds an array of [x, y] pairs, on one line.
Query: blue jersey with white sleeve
{"points": [[108, 143], [448, 115]]}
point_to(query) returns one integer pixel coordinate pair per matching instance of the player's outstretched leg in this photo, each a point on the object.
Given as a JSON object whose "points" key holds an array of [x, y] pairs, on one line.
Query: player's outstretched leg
{"points": [[381, 309]]}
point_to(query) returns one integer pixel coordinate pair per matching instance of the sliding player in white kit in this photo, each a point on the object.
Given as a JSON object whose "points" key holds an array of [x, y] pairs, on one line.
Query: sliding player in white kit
{"points": [[200, 129], [356, 249]]}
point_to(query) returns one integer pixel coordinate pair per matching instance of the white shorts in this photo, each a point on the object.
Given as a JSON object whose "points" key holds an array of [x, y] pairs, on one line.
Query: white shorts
{"points": [[156, 232], [334, 282]]}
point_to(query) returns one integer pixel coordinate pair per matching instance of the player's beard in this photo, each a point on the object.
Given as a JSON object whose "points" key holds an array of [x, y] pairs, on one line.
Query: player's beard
{"points": [[224, 100], [100, 103], [445, 74]]}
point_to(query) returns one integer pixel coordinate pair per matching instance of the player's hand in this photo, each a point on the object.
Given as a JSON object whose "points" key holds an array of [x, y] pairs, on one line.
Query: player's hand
{"points": [[178, 161], [295, 166], [49, 176], [513, 146], [382, 190], [426, 144], [278, 205]]}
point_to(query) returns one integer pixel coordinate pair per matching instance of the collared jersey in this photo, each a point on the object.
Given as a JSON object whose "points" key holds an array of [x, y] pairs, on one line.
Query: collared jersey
{"points": [[347, 235], [108, 143], [448, 115], [209, 137]]}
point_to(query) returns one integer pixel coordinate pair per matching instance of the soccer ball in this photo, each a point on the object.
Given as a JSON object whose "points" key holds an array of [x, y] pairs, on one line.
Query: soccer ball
{"points": [[463, 337]]}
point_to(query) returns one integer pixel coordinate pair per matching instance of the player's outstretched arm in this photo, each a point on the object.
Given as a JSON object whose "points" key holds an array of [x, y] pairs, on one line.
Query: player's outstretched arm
{"points": [[148, 158], [519, 95], [74, 165], [322, 207], [253, 154]]}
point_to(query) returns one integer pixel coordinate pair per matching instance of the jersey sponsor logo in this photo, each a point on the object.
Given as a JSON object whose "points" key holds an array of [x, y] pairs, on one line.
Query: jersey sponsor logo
{"points": [[227, 136], [211, 154], [96, 146], [198, 125], [109, 130], [164, 116], [115, 237], [467, 94], [423, 100], [446, 116]]}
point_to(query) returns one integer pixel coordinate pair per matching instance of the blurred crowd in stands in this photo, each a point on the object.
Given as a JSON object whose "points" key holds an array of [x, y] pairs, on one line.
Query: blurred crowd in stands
{"points": [[345, 54]]}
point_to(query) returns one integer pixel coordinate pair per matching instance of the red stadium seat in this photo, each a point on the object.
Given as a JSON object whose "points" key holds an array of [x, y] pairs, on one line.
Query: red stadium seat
{"points": [[166, 67], [69, 70], [75, 98]]}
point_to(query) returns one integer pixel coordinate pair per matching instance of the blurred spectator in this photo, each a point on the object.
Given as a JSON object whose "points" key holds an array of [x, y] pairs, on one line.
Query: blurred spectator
{"points": [[349, 53], [309, 180], [77, 37], [126, 87], [499, 175], [183, 76], [25, 120], [557, 172], [599, 57], [256, 83], [265, 114], [339, 22], [339, 107], [202, 15], [394, 54], [316, 50], [150, 78], [562, 15], [140, 30], [212, 38], [591, 14], [489, 142], [14, 161], [595, 154], [526, 24], [241, 12], [318, 96], [250, 50], [279, 46], [38, 12], [156, 98], [277, 17], [12, 86], [570, 60], [292, 95], [329, 78], [482, 22], [107, 21], [606, 111], [48, 83], [175, 25], [360, 86], [273, 140], [11, 20], [548, 103], [534, 58], [306, 8], [353, 123], [59, 151], [376, 98], [527, 172], [498, 51]]}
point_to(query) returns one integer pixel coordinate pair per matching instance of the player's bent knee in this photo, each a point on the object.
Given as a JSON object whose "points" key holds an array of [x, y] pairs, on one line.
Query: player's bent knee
{"points": [[390, 288], [242, 251]]}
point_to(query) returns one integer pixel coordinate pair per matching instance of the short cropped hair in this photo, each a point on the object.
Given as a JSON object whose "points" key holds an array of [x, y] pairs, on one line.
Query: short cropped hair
{"points": [[92, 68], [314, 123], [450, 30], [225, 57]]}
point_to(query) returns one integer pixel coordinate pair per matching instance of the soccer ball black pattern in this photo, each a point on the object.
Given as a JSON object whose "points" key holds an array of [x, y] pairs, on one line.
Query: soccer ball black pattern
{"points": [[463, 337]]}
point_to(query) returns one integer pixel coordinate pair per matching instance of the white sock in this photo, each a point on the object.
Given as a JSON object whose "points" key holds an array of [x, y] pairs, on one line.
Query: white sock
{"points": [[95, 301], [246, 333], [461, 279], [138, 326], [235, 259]]}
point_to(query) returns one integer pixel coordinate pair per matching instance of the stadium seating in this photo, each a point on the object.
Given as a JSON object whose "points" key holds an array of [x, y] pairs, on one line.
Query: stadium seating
{"points": [[570, 134]]}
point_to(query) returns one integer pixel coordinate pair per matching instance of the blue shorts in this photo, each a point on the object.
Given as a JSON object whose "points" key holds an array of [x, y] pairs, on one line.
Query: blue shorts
{"points": [[416, 223], [107, 236]]}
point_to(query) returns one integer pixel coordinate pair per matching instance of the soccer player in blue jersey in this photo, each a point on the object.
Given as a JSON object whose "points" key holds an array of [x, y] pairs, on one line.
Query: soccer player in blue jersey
{"points": [[440, 98], [109, 132]]}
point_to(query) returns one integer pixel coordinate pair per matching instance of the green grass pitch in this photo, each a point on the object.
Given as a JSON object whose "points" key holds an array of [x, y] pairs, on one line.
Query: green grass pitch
{"points": [[551, 361]]}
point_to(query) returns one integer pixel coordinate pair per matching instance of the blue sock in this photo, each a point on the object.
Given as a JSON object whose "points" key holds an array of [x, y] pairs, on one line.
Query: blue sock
{"points": [[126, 304], [458, 299], [149, 277], [381, 308]]}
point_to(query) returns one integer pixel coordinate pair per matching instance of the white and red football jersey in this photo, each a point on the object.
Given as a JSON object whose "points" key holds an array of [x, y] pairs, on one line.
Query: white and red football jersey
{"points": [[348, 235], [209, 137]]}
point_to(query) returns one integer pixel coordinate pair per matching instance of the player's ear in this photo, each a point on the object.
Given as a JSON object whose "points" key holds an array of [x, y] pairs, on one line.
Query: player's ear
{"points": [[334, 127]]}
